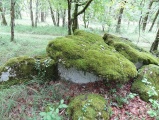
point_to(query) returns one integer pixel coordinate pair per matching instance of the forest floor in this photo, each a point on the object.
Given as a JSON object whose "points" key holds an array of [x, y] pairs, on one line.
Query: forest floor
{"points": [[34, 98], [26, 101]]}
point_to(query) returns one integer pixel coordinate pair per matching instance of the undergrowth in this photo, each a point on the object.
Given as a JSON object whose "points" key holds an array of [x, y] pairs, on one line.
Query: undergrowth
{"points": [[26, 101]]}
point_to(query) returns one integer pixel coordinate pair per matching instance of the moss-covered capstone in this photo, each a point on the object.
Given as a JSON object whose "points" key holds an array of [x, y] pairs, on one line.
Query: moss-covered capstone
{"points": [[89, 107], [148, 77], [130, 51], [26, 67], [88, 52]]}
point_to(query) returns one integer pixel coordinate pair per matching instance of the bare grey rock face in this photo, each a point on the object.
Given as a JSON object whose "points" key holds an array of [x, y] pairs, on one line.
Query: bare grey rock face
{"points": [[6, 75], [77, 76]]}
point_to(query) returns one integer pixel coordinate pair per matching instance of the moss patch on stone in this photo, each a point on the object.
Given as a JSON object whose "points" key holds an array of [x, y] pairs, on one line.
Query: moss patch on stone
{"points": [[89, 107], [88, 52], [27, 67], [129, 50], [151, 73]]}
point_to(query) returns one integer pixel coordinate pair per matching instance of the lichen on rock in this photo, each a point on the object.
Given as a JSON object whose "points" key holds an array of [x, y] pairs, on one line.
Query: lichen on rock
{"points": [[89, 107], [130, 51], [148, 77], [88, 52]]}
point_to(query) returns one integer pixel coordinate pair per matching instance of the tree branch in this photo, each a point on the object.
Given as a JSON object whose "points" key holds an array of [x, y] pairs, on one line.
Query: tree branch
{"points": [[83, 10]]}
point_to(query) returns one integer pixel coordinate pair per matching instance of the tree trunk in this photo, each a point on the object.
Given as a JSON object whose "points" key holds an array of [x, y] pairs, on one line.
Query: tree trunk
{"points": [[76, 13], [42, 16], [84, 20], [12, 14], [58, 18], [154, 20], [147, 15], [63, 18], [37, 11], [119, 20], [154, 45], [31, 14], [52, 14], [4, 22], [75, 18], [69, 16]]}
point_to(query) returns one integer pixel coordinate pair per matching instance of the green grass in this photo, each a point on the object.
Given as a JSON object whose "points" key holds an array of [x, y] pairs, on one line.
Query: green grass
{"points": [[28, 41], [40, 30], [27, 45], [27, 100]]}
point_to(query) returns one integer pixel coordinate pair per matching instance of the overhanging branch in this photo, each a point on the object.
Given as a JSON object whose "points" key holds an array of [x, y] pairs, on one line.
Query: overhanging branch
{"points": [[86, 6]]}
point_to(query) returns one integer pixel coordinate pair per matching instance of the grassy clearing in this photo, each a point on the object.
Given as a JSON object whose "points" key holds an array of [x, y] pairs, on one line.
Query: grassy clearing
{"points": [[40, 30], [23, 46], [29, 41]]}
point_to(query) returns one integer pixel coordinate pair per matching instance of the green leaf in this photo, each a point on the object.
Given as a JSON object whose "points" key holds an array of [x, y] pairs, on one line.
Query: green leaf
{"points": [[152, 113], [42, 113]]}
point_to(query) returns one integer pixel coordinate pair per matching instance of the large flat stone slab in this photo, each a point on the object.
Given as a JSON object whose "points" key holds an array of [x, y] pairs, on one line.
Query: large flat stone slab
{"points": [[77, 76]]}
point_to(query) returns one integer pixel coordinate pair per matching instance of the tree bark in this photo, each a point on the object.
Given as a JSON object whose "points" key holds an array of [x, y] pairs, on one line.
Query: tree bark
{"points": [[154, 45], [37, 11], [69, 16], [52, 14], [154, 20], [31, 14], [12, 14], [58, 18], [4, 22], [42, 16], [84, 20], [63, 18], [75, 18], [76, 13], [147, 15], [119, 20]]}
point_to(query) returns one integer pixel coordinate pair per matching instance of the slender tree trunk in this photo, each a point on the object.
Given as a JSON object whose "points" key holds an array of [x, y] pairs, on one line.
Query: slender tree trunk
{"points": [[37, 11], [154, 20], [4, 22], [69, 16], [147, 15], [31, 14], [42, 16], [52, 14], [12, 14], [63, 18], [154, 45], [76, 13], [84, 20], [158, 24], [58, 18], [119, 20], [75, 18]]}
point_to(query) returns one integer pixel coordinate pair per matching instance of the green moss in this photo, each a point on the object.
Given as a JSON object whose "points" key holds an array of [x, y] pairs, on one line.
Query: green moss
{"points": [[19, 66], [129, 50], [27, 67], [89, 107], [88, 52], [111, 39], [151, 73]]}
